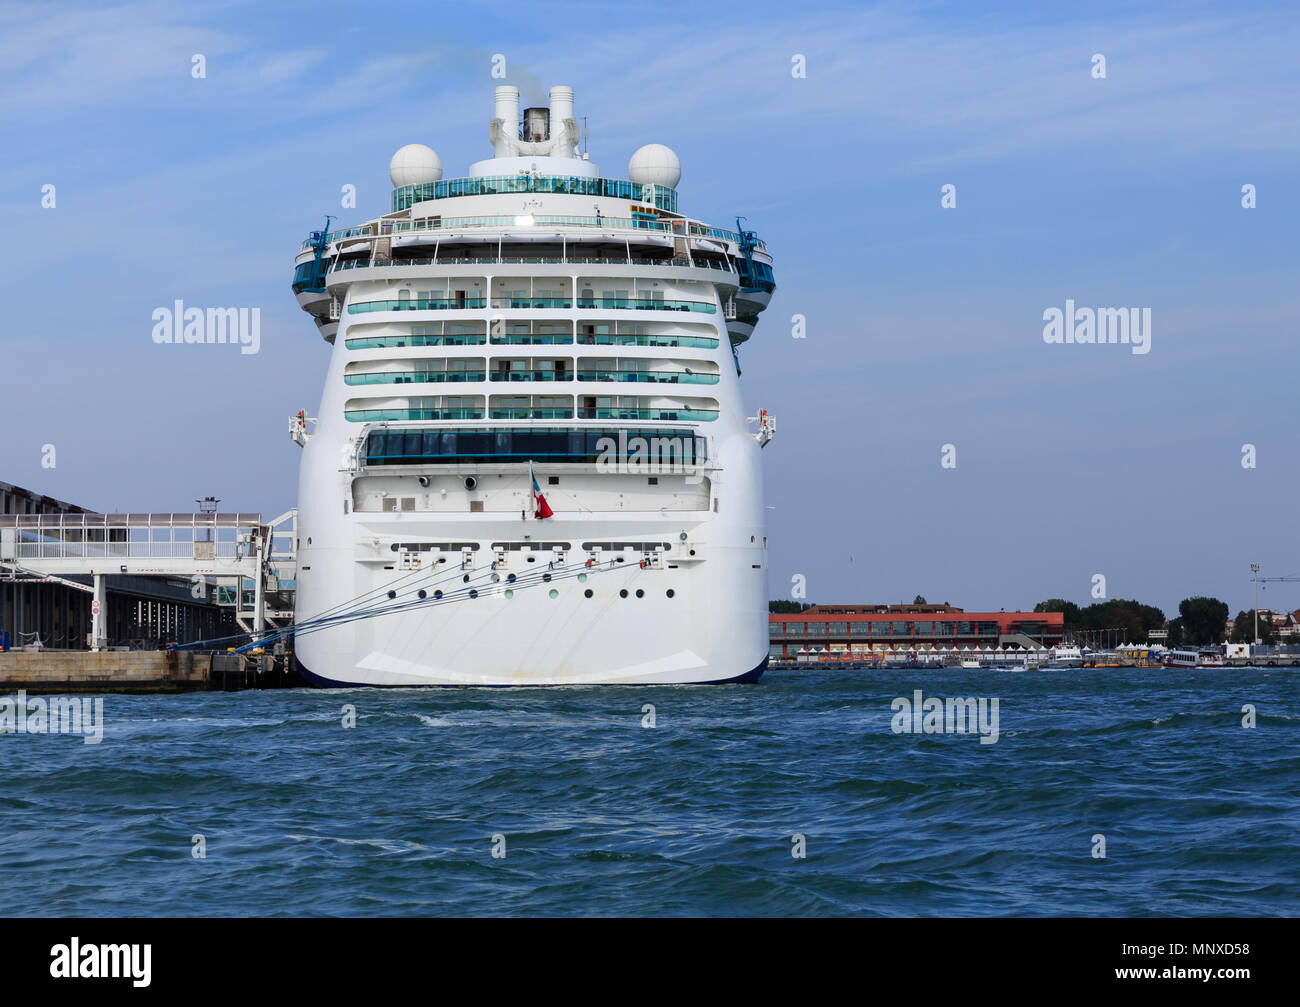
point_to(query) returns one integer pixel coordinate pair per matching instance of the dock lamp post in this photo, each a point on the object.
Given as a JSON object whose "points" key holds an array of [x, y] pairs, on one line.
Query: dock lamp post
{"points": [[1254, 575]]}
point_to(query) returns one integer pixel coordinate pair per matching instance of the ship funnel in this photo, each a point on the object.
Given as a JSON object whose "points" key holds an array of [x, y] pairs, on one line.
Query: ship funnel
{"points": [[561, 103], [507, 110], [564, 128]]}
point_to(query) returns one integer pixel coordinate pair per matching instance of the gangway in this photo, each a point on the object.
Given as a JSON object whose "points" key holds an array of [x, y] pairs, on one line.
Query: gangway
{"points": [[201, 546]]}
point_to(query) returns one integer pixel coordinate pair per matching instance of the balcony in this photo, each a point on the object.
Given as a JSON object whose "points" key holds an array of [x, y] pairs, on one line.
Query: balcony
{"points": [[388, 415], [661, 413], [418, 304], [397, 342], [647, 304], [532, 413], [532, 302], [412, 377], [660, 377], [527, 375], [630, 339]]}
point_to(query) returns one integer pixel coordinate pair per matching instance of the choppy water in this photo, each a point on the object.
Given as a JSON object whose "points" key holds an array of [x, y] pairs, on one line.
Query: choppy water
{"points": [[696, 816]]}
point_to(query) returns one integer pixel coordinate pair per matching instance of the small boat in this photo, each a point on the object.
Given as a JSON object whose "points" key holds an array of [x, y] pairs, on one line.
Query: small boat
{"points": [[1066, 657], [1195, 657]]}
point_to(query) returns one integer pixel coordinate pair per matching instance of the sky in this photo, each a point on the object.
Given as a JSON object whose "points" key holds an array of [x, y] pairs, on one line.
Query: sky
{"points": [[923, 323]]}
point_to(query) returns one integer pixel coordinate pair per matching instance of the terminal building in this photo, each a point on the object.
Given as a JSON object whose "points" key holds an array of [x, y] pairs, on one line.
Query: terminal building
{"points": [[844, 630], [55, 611]]}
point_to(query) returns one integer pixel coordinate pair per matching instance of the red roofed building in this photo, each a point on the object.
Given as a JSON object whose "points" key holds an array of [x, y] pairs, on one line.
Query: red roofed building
{"points": [[846, 629]]}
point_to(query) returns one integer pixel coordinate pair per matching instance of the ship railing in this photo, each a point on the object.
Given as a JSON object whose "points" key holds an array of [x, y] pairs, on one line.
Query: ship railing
{"points": [[512, 260], [411, 377], [513, 221], [661, 377], [531, 376], [647, 304], [418, 304]]}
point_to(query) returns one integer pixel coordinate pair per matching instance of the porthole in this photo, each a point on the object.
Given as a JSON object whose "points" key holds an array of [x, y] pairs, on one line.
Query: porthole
{"points": [[473, 592], [394, 547], [510, 578], [392, 594], [546, 577], [623, 593], [670, 592], [587, 593], [465, 579], [554, 593], [582, 578], [640, 593], [509, 593], [423, 593], [437, 594]]}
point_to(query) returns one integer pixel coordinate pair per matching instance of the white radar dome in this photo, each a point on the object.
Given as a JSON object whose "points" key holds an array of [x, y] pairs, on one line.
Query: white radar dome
{"points": [[414, 164], [655, 164]]}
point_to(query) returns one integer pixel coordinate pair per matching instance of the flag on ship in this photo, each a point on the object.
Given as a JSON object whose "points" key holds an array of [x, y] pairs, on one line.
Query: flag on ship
{"points": [[541, 509]]}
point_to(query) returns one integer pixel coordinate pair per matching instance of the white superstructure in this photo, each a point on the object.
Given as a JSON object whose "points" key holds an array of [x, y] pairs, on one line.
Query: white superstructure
{"points": [[532, 320]]}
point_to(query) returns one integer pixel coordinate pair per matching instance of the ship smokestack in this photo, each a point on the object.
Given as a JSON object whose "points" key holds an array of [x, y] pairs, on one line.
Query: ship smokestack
{"points": [[507, 110], [561, 116]]}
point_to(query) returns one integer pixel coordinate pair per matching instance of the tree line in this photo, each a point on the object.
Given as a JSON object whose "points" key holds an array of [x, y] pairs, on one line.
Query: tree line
{"points": [[1201, 621]]}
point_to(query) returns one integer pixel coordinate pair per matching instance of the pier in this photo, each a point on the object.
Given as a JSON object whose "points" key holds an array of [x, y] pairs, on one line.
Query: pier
{"points": [[83, 671]]}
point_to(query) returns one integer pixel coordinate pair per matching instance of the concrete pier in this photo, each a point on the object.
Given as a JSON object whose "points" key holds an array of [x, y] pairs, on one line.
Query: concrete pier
{"points": [[141, 671]]}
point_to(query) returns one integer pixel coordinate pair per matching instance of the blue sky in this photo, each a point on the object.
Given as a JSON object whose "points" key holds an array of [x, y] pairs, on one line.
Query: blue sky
{"points": [[924, 324]]}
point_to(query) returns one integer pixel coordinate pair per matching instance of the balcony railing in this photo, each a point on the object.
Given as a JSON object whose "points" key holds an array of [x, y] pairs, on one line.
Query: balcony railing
{"points": [[532, 302], [660, 377], [532, 339], [397, 342], [662, 413], [532, 413], [620, 339], [382, 415], [525, 375], [647, 304], [418, 304], [411, 377]]}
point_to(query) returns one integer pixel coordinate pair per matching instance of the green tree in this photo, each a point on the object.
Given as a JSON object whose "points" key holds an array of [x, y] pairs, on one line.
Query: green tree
{"points": [[783, 607], [919, 600], [1068, 608], [1243, 628], [1204, 620], [1176, 633]]}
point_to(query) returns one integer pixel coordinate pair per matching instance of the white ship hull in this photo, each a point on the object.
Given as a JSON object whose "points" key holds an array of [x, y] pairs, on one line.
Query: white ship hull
{"points": [[713, 629]]}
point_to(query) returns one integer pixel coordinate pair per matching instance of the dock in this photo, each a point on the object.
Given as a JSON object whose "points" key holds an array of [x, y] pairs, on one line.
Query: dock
{"points": [[81, 671]]}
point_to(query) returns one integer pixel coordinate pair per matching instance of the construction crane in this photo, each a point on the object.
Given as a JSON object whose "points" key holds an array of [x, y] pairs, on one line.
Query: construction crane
{"points": [[1254, 571]]}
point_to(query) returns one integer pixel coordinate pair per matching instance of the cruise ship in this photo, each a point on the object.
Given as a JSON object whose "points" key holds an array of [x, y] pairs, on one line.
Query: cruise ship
{"points": [[531, 464]]}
